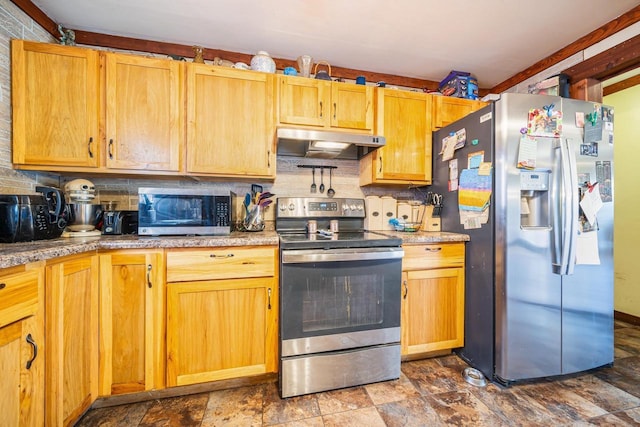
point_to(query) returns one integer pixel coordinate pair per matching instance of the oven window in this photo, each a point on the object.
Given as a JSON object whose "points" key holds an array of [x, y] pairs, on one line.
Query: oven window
{"points": [[342, 301], [339, 297]]}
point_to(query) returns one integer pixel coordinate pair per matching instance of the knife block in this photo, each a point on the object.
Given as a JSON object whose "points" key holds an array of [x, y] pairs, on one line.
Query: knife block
{"points": [[429, 222]]}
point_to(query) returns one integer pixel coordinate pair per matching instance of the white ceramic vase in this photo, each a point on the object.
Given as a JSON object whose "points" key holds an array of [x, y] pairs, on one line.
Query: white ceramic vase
{"points": [[263, 62]]}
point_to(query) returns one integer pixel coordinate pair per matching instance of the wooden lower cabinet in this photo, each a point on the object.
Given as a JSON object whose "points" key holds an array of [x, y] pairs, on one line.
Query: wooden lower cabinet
{"points": [[71, 337], [22, 346], [131, 321], [221, 328], [432, 316]]}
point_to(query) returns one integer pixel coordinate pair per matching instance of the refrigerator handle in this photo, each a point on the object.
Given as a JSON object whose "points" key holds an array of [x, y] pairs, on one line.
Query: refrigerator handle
{"points": [[556, 195], [566, 235], [574, 208]]}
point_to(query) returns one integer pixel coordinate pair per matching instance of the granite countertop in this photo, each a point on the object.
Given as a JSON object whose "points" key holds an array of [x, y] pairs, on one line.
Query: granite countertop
{"points": [[12, 254], [422, 237]]}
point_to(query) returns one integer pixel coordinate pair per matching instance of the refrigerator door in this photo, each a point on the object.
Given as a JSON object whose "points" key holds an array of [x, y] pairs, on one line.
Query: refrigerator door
{"points": [[528, 294], [587, 298]]}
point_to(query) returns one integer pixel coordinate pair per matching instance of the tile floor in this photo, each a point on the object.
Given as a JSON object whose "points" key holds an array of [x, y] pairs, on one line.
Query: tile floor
{"points": [[430, 392]]}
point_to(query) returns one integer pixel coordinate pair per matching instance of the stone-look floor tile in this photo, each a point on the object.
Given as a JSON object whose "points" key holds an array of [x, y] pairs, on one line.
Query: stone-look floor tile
{"points": [[619, 353], [628, 344], [560, 401], [430, 377], [391, 391], [601, 393], [346, 399], [620, 378], [462, 408], [309, 422], [123, 415], [631, 416], [176, 411], [410, 412], [280, 411], [235, 407], [513, 408], [609, 420], [357, 418]]}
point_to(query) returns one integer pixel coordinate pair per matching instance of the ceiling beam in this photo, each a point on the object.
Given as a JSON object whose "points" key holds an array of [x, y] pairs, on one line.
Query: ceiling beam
{"points": [[610, 63], [621, 22], [621, 85], [39, 16]]}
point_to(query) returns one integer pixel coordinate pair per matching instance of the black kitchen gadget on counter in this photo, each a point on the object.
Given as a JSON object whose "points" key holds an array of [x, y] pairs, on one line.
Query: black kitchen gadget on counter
{"points": [[32, 217]]}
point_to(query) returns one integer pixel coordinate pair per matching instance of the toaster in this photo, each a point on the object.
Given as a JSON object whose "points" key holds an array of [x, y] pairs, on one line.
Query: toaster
{"points": [[120, 222]]}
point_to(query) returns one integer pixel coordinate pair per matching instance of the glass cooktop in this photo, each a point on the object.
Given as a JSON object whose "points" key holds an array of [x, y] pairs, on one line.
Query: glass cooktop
{"points": [[325, 240]]}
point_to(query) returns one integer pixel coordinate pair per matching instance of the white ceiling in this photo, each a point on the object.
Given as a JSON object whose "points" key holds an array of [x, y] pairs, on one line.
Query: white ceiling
{"points": [[493, 39]]}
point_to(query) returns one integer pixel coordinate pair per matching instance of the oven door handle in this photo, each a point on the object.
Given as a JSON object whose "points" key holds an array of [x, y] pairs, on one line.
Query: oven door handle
{"points": [[337, 255]]}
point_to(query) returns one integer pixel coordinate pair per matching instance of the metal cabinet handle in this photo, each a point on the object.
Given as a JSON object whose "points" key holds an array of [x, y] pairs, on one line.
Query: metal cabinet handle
{"points": [[111, 149], [149, 267], [335, 110], [406, 290], [438, 249], [89, 147], [320, 109], [3, 285], [268, 158], [380, 157], [220, 256], [35, 350], [269, 298]]}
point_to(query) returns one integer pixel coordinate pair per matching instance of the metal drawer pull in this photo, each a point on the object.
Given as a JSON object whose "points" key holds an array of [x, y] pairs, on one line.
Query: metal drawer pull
{"points": [[433, 249], [111, 149], [269, 298], [320, 109], [35, 351], [406, 290], [3, 285], [149, 267], [220, 256]]}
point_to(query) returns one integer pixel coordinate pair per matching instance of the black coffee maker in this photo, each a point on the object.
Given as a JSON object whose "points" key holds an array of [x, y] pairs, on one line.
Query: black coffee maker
{"points": [[32, 217]]}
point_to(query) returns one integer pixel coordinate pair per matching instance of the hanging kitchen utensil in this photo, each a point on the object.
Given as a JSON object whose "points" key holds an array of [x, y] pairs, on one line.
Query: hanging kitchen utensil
{"points": [[322, 180], [313, 184], [330, 192], [322, 74]]}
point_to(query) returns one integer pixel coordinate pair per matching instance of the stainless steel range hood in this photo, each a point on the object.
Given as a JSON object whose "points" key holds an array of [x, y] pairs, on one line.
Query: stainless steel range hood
{"points": [[324, 144]]}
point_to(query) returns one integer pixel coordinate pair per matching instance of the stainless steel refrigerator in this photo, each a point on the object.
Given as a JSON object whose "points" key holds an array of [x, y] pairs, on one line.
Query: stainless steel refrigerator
{"points": [[539, 265]]}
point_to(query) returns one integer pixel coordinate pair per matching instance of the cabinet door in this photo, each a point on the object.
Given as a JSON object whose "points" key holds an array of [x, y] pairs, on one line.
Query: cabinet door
{"points": [[55, 102], [432, 310], [304, 101], [230, 122], [131, 321], [22, 350], [221, 329], [404, 118], [71, 338], [352, 106], [447, 109], [144, 113]]}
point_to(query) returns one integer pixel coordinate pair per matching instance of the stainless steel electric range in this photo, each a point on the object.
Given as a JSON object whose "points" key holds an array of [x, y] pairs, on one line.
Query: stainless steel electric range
{"points": [[339, 297]]}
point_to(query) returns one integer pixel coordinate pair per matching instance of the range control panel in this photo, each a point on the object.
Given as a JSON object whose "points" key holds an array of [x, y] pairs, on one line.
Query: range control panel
{"points": [[306, 207]]}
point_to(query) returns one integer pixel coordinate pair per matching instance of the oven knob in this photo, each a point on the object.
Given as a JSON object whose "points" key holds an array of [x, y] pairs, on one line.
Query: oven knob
{"points": [[345, 208], [353, 207], [283, 207], [360, 207], [291, 206]]}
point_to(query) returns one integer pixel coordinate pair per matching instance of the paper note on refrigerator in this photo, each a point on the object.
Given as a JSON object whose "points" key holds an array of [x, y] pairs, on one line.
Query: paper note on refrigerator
{"points": [[587, 248], [591, 203], [474, 190]]}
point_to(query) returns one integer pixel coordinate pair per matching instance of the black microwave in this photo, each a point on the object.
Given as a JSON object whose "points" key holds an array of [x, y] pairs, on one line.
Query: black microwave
{"points": [[179, 211]]}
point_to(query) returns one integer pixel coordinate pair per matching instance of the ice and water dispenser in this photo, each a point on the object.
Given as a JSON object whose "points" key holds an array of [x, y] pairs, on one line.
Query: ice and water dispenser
{"points": [[534, 199]]}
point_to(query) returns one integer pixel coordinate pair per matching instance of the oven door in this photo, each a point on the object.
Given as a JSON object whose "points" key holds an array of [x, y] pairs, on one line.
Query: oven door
{"points": [[339, 299]]}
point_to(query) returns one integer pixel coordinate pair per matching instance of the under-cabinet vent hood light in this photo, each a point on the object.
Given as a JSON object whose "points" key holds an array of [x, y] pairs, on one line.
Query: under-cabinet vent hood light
{"points": [[324, 144]]}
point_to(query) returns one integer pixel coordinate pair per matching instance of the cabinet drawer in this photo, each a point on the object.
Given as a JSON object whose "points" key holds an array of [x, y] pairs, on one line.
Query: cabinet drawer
{"points": [[420, 257], [223, 263], [18, 296]]}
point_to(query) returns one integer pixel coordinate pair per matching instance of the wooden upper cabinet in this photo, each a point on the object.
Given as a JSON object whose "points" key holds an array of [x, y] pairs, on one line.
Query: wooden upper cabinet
{"points": [[320, 103], [55, 99], [404, 119], [230, 122], [144, 113], [448, 109]]}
